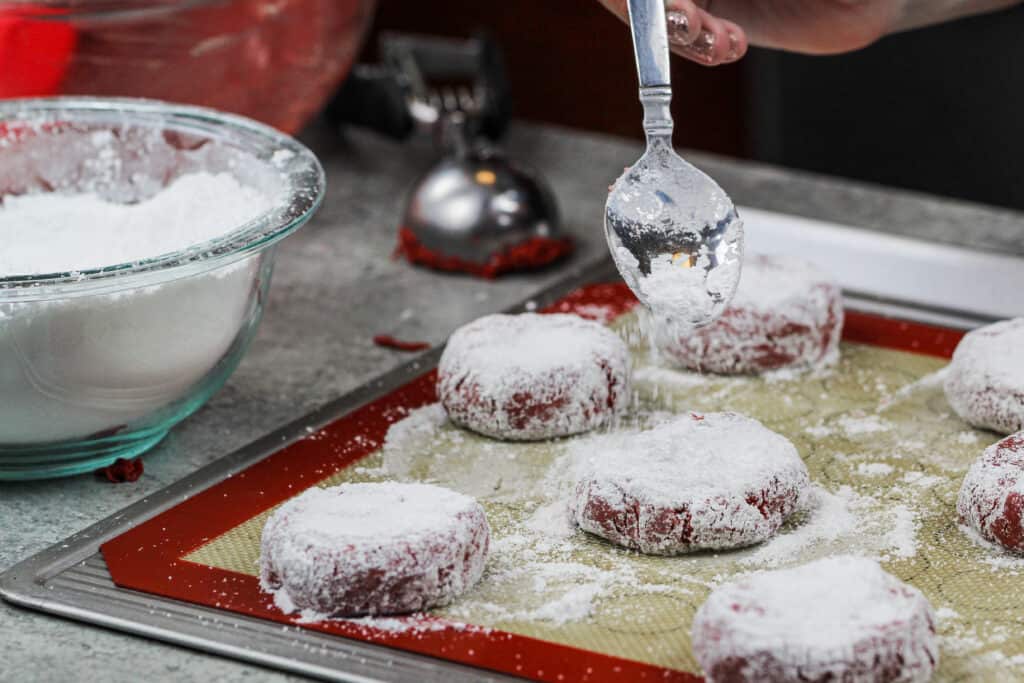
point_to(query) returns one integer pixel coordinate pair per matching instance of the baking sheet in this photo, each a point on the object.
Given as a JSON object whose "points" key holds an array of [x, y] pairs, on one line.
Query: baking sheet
{"points": [[884, 451], [72, 580]]}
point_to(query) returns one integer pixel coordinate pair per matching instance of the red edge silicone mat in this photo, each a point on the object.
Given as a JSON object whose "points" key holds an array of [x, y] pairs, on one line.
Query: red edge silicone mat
{"points": [[148, 557]]}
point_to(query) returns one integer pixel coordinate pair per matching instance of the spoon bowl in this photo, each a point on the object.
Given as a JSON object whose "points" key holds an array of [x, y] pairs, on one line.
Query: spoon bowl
{"points": [[675, 237], [673, 233]]}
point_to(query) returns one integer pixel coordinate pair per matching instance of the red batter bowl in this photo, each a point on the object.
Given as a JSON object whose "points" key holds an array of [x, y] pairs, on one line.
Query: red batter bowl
{"points": [[276, 61]]}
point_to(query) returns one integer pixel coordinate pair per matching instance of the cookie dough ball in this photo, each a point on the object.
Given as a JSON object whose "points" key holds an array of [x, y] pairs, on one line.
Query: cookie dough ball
{"points": [[382, 548], [985, 381], [836, 619], [696, 482], [991, 500], [786, 314], [530, 377]]}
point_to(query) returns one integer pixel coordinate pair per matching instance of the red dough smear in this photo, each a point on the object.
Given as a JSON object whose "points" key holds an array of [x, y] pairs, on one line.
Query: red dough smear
{"points": [[389, 342], [534, 253], [122, 471]]}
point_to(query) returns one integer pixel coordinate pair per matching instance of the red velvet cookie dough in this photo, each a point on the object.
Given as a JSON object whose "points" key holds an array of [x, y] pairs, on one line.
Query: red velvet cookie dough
{"points": [[991, 500], [985, 382], [531, 254], [530, 377], [382, 548], [836, 619], [696, 482], [786, 313]]}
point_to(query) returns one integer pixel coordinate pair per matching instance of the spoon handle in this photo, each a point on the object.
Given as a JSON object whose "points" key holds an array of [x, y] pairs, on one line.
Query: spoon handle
{"points": [[650, 42]]}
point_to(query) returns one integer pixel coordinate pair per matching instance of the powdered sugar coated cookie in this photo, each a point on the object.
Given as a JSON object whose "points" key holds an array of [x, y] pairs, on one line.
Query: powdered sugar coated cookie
{"points": [[381, 548], [719, 480], [985, 382], [991, 500], [529, 376], [786, 313], [836, 619]]}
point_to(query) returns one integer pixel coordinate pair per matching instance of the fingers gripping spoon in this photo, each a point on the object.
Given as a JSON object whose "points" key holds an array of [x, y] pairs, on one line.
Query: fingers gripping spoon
{"points": [[673, 233]]}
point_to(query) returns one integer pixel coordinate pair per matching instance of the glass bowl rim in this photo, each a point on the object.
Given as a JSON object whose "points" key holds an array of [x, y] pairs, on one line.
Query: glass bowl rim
{"points": [[293, 208]]}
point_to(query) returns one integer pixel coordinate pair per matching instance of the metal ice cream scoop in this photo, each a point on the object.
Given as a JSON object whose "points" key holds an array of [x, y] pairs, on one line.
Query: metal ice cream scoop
{"points": [[673, 233], [479, 207]]}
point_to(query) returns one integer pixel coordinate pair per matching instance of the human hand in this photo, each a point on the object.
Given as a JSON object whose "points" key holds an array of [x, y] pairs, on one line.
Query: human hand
{"points": [[713, 32]]}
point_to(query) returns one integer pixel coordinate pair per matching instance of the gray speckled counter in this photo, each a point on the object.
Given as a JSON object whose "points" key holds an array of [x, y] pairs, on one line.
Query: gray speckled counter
{"points": [[334, 288]]}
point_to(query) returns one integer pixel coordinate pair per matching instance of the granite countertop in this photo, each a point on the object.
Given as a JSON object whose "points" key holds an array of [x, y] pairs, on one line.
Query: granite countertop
{"points": [[336, 286]]}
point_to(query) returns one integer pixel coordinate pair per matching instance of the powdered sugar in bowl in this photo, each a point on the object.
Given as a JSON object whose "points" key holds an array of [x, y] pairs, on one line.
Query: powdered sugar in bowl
{"points": [[136, 247]]}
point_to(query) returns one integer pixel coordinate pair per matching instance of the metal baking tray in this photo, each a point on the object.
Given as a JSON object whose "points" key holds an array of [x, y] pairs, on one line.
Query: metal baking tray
{"points": [[882, 274]]}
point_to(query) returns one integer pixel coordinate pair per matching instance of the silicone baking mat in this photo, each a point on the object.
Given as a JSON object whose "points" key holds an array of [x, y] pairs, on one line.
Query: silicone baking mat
{"points": [[883, 448]]}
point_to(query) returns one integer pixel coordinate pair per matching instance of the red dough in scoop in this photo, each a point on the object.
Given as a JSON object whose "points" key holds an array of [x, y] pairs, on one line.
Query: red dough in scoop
{"points": [[383, 548], [719, 480], [530, 377], [991, 500], [786, 313], [836, 619]]}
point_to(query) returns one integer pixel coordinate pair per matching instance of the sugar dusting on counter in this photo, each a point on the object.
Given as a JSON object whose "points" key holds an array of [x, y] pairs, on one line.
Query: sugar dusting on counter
{"points": [[55, 232]]}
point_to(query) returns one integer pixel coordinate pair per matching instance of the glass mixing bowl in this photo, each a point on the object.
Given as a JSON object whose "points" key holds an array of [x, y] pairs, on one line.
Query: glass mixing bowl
{"points": [[276, 61], [99, 364]]}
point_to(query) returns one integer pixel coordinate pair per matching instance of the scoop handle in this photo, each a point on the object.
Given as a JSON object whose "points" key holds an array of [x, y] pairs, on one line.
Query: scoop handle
{"points": [[650, 42]]}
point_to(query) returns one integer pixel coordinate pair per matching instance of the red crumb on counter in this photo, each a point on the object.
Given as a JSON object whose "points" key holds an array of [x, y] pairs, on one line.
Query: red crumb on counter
{"points": [[389, 342], [536, 252], [122, 471]]}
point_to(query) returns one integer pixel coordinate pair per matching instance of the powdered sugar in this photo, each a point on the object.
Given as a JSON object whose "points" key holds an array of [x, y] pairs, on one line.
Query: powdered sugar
{"points": [[419, 424], [874, 469], [855, 426], [832, 521], [996, 556], [81, 366], [929, 381], [533, 376], [373, 549], [718, 480], [54, 233], [537, 561], [985, 384], [840, 618], [678, 294], [828, 518]]}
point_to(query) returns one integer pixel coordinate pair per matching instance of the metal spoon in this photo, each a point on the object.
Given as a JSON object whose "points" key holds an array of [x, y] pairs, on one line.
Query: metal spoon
{"points": [[673, 233]]}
